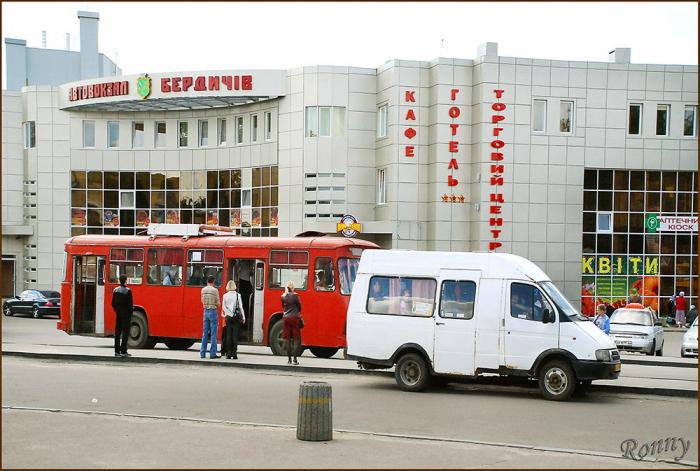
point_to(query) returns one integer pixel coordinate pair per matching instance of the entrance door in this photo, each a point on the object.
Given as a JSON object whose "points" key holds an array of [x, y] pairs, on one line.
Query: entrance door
{"points": [[455, 325], [259, 301], [525, 336], [100, 296], [84, 300]]}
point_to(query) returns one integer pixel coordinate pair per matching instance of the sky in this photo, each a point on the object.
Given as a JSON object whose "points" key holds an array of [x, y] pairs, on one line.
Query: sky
{"points": [[151, 37]]}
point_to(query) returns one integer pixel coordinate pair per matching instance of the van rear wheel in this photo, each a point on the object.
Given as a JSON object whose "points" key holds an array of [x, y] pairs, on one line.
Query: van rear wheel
{"points": [[412, 373], [557, 380]]}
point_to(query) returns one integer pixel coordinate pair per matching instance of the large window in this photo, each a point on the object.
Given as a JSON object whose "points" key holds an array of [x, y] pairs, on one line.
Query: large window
{"points": [[347, 271], [129, 262], [662, 120], [203, 133], [382, 121], [690, 121], [626, 252], [566, 116], [222, 131], [126, 202], [29, 134], [137, 135], [457, 299], [165, 267], [286, 266], [183, 133], [401, 296], [160, 136], [201, 264], [112, 133], [539, 115], [527, 302], [635, 119], [324, 277], [325, 121], [88, 134], [381, 186]]}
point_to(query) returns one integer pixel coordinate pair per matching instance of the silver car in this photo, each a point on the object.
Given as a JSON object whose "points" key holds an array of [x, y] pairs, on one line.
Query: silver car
{"points": [[690, 341], [637, 330]]}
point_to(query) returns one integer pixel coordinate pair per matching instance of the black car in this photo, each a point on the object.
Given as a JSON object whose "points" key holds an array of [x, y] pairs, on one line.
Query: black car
{"points": [[36, 303]]}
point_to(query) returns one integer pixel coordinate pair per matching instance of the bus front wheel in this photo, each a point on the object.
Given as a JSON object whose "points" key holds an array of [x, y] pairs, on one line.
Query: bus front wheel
{"points": [[276, 340], [138, 332]]}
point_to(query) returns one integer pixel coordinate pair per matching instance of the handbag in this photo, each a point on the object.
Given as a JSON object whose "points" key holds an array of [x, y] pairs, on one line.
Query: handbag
{"points": [[237, 311]]}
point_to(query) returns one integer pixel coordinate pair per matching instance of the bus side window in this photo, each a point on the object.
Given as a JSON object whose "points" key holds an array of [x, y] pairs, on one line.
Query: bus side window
{"points": [[129, 262], [204, 263], [324, 278], [165, 267]]}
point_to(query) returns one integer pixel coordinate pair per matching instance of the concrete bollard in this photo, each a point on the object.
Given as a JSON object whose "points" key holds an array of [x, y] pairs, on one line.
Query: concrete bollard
{"points": [[315, 416]]}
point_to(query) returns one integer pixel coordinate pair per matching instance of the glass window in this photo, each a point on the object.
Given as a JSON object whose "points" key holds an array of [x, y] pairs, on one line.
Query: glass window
{"points": [[338, 126], [604, 222], [182, 133], [324, 278], [160, 128], [222, 131], [566, 116], [137, 135], [239, 129], [128, 262], [254, 128], [382, 121], [381, 186], [324, 121], [112, 133], [88, 134], [527, 302], [203, 133], [347, 271], [401, 296], [311, 121], [286, 266], [689, 120], [539, 115], [126, 199], [165, 267], [204, 263], [662, 120], [268, 126], [635, 119], [457, 299], [30, 134]]}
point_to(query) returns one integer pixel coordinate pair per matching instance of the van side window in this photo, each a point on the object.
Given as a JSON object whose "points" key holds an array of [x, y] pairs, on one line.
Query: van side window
{"points": [[457, 299], [401, 296], [527, 302]]}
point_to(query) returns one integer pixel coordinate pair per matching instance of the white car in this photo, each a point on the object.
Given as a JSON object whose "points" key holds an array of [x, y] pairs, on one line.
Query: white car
{"points": [[637, 330], [690, 341]]}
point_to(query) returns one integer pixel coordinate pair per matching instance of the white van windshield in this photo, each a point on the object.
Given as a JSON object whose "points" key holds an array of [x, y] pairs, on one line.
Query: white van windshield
{"points": [[562, 303]]}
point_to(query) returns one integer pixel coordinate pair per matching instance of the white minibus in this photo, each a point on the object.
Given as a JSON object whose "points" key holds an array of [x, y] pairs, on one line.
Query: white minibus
{"points": [[466, 314]]}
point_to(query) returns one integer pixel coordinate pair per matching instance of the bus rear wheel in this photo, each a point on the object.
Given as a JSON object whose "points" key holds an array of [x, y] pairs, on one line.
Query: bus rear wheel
{"points": [[276, 340], [323, 352], [138, 332], [179, 344]]}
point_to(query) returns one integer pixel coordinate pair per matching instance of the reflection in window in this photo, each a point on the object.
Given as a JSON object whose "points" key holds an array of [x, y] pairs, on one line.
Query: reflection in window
{"points": [[324, 278], [457, 299], [137, 140], [165, 267], [539, 115], [566, 116], [527, 302], [204, 263], [689, 120], [662, 120], [401, 296], [635, 119], [129, 262]]}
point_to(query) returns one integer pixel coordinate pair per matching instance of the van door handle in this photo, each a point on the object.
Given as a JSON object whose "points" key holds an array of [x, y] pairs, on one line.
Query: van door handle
{"points": [[439, 323]]}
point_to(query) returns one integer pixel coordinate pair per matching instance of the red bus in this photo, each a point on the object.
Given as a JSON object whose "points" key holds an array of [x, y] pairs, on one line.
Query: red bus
{"points": [[166, 274]]}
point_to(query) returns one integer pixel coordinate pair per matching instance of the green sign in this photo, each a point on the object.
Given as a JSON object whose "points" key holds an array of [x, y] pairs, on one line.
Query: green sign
{"points": [[651, 223]]}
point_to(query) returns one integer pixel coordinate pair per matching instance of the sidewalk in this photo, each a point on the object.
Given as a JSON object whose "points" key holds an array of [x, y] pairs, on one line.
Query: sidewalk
{"points": [[639, 376]]}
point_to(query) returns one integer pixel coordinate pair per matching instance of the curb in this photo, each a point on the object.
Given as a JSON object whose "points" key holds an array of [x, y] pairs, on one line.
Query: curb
{"points": [[672, 363], [311, 369]]}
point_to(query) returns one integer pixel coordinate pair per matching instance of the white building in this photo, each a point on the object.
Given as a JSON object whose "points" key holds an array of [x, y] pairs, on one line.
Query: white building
{"points": [[539, 158]]}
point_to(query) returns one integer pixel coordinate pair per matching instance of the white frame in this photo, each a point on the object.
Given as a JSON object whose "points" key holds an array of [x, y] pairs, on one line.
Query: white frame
{"points": [[629, 118], [28, 127], [609, 214], [268, 126], [221, 123], [156, 134], [381, 186], [659, 106], [200, 135], [187, 134], [571, 120], [254, 128], [330, 121], [383, 121], [238, 120], [85, 121], [310, 131], [544, 116], [109, 135], [133, 134], [694, 108]]}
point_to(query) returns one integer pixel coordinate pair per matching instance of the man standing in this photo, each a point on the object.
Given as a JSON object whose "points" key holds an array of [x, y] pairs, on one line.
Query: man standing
{"points": [[123, 305], [211, 304], [680, 310]]}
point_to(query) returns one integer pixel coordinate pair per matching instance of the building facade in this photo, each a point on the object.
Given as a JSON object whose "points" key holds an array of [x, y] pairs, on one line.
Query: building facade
{"points": [[589, 169]]}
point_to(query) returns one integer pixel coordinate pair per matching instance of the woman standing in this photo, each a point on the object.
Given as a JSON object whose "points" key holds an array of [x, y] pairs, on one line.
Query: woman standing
{"points": [[232, 311], [292, 313]]}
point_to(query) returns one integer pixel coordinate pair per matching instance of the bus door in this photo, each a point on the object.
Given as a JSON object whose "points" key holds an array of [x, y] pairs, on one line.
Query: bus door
{"points": [[248, 274], [88, 296], [201, 263], [100, 296]]}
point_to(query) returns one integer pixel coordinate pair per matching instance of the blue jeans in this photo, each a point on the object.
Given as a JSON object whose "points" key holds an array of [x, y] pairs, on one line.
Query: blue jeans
{"points": [[209, 331]]}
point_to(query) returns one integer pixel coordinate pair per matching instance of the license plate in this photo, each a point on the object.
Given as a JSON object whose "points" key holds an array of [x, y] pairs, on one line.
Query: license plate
{"points": [[623, 342], [617, 367]]}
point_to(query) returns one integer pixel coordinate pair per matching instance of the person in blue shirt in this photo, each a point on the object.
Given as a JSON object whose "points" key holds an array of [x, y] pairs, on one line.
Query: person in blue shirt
{"points": [[602, 320]]}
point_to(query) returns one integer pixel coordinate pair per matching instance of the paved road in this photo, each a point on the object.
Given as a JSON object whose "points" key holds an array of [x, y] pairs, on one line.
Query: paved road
{"points": [[599, 422]]}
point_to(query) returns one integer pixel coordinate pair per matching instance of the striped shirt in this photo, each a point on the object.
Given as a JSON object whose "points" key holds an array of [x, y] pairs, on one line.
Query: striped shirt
{"points": [[210, 297]]}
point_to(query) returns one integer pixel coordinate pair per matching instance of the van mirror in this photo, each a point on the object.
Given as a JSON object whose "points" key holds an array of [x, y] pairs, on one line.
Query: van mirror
{"points": [[547, 316]]}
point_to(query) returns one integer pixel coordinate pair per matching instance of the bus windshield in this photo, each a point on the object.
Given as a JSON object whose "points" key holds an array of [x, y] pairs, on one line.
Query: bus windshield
{"points": [[347, 270]]}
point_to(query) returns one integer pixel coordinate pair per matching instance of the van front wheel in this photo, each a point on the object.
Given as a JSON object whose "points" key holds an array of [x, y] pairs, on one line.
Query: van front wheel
{"points": [[557, 380], [412, 372]]}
